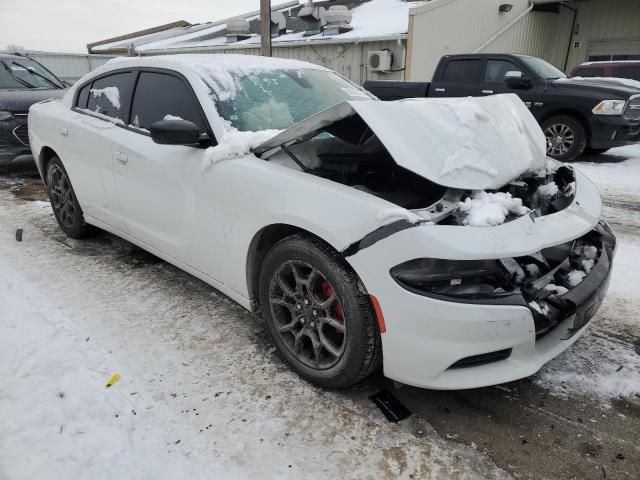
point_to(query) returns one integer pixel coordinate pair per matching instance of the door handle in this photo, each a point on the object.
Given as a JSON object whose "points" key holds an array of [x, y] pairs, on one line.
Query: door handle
{"points": [[487, 92], [122, 157], [441, 89], [64, 132]]}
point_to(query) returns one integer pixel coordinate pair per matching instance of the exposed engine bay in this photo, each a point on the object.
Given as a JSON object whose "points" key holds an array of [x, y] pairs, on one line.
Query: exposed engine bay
{"points": [[358, 159]]}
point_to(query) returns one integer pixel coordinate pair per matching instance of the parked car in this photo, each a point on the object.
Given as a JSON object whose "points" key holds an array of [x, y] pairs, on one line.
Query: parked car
{"points": [[629, 69], [574, 114], [431, 236], [23, 82]]}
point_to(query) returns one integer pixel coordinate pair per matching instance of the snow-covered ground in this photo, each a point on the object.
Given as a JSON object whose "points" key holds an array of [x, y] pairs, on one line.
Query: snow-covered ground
{"points": [[605, 363], [202, 393]]}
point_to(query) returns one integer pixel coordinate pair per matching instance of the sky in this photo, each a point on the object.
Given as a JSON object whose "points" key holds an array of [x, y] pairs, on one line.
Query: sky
{"points": [[68, 25]]}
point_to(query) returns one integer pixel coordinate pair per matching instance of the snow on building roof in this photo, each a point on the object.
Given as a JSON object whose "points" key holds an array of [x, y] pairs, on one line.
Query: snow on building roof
{"points": [[374, 19]]}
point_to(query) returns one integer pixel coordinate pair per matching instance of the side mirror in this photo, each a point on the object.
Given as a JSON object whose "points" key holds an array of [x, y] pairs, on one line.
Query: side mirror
{"points": [[176, 132], [517, 81]]}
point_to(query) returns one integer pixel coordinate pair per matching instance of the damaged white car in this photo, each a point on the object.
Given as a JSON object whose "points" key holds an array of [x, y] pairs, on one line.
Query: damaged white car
{"points": [[431, 236]]}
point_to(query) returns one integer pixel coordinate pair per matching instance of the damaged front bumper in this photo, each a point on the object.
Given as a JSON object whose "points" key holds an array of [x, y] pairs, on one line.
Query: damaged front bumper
{"points": [[437, 342]]}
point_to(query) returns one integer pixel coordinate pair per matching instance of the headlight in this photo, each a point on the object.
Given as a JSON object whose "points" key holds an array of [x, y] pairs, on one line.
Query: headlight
{"points": [[5, 115], [609, 107], [463, 279]]}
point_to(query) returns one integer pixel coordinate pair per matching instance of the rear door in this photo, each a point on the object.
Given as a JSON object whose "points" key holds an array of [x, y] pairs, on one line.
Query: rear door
{"points": [[158, 184], [100, 110], [459, 77]]}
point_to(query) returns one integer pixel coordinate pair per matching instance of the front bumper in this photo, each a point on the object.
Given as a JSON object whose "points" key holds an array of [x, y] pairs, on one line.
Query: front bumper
{"points": [[14, 138], [427, 338], [612, 131]]}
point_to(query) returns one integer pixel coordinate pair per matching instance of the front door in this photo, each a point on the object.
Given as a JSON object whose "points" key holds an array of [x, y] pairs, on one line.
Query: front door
{"points": [[159, 185], [494, 75]]}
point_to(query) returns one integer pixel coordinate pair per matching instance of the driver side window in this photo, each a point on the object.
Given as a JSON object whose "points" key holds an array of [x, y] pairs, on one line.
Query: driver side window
{"points": [[159, 96], [496, 70]]}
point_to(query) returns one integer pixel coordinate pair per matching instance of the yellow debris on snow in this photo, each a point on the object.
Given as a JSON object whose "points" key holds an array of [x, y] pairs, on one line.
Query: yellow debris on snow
{"points": [[113, 380]]}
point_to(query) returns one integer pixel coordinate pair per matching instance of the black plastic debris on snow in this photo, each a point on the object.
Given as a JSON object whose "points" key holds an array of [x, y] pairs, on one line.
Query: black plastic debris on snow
{"points": [[19, 235], [392, 408]]}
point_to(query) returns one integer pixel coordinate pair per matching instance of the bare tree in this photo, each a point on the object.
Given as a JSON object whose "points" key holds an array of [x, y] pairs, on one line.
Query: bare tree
{"points": [[13, 48]]}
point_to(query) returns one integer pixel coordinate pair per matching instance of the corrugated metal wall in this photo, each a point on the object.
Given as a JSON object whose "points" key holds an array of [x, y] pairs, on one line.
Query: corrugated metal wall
{"points": [[541, 34], [69, 66], [600, 20], [443, 27], [348, 59]]}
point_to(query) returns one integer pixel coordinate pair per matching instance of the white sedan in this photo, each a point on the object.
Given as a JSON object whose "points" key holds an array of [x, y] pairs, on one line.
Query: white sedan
{"points": [[430, 236]]}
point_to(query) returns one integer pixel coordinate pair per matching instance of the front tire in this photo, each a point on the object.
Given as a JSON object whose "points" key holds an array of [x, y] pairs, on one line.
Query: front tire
{"points": [[64, 202], [566, 137], [317, 314]]}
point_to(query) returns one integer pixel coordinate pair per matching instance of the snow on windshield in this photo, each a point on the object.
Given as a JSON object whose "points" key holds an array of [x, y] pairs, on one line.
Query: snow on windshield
{"points": [[111, 93], [279, 98], [264, 95]]}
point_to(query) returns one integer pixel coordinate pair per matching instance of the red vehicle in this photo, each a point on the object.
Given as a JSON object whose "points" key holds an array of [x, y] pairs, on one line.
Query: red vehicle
{"points": [[620, 69]]}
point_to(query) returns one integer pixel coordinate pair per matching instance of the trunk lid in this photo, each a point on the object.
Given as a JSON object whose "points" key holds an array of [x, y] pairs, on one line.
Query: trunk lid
{"points": [[466, 143]]}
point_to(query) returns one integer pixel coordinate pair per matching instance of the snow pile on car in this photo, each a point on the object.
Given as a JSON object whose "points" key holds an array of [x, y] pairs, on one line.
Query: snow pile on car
{"points": [[111, 93], [222, 73], [233, 144], [485, 209]]}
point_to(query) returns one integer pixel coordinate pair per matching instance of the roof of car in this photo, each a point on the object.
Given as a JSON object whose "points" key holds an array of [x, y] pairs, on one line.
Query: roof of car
{"points": [[218, 61], [12, 55]]}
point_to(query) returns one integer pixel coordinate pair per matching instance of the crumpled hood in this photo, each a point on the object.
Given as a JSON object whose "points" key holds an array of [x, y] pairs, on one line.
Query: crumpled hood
{"points": [[19, 100], [467, 143]]}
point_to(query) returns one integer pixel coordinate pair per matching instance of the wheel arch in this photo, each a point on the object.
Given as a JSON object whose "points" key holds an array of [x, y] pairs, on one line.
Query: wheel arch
{"points": [[570, 112], [44, 157], [260, 245]]}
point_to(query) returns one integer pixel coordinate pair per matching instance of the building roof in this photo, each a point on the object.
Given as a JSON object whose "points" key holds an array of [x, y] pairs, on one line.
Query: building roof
{"points": [[123, 42], [372, 20]]}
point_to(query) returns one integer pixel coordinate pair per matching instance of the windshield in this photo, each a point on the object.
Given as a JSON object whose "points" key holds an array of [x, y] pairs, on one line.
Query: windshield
{"points": [[543, 68], [25, 73], [276, 99]]}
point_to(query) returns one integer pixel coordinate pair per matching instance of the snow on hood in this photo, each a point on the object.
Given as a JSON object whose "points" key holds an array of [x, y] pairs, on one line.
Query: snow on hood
{"points": [[467, 143], [610, 81]]}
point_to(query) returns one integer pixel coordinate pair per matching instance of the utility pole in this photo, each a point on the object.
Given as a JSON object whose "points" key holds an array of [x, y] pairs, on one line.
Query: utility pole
{"points": [[265, 28]]}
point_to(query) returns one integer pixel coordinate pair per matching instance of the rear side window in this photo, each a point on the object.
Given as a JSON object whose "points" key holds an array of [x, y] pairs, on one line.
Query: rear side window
{"points": [[589, 72], [110, 95], [463, 71], [159, 95], [83, 96], [496, 70], [632, 72]]}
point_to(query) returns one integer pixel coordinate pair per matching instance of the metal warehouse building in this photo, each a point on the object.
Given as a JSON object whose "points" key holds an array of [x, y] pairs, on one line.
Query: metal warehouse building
{"points": [[396, 39]]}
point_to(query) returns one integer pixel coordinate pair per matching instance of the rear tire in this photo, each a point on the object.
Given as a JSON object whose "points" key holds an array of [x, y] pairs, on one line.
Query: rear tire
{"points": [[566, 137], [317, 314], [64, 202]]}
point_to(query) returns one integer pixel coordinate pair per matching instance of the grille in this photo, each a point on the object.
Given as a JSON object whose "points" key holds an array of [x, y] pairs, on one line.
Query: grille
{"points": [[21, 132], [633, 109]]}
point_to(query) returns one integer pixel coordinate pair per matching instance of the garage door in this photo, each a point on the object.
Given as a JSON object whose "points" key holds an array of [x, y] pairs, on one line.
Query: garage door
{"points": [[607, 50]]}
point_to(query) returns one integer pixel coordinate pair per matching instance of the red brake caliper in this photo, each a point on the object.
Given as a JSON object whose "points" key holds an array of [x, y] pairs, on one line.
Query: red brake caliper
{"points": [[327, 291]]}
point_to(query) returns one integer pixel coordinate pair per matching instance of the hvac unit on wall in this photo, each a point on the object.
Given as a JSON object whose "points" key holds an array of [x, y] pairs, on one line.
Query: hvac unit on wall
{"points": [[379, 60]]}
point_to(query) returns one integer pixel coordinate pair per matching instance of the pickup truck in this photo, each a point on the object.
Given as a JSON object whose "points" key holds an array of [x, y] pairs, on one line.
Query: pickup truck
{"points": [[575, 114]]}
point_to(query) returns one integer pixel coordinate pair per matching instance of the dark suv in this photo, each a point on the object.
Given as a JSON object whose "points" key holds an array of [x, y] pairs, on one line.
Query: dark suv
{"points": [[23, 82], [621, 69]]}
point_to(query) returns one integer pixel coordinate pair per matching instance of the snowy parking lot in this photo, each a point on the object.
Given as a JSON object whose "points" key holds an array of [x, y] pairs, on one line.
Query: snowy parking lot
{"points": [[203, 394]]}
